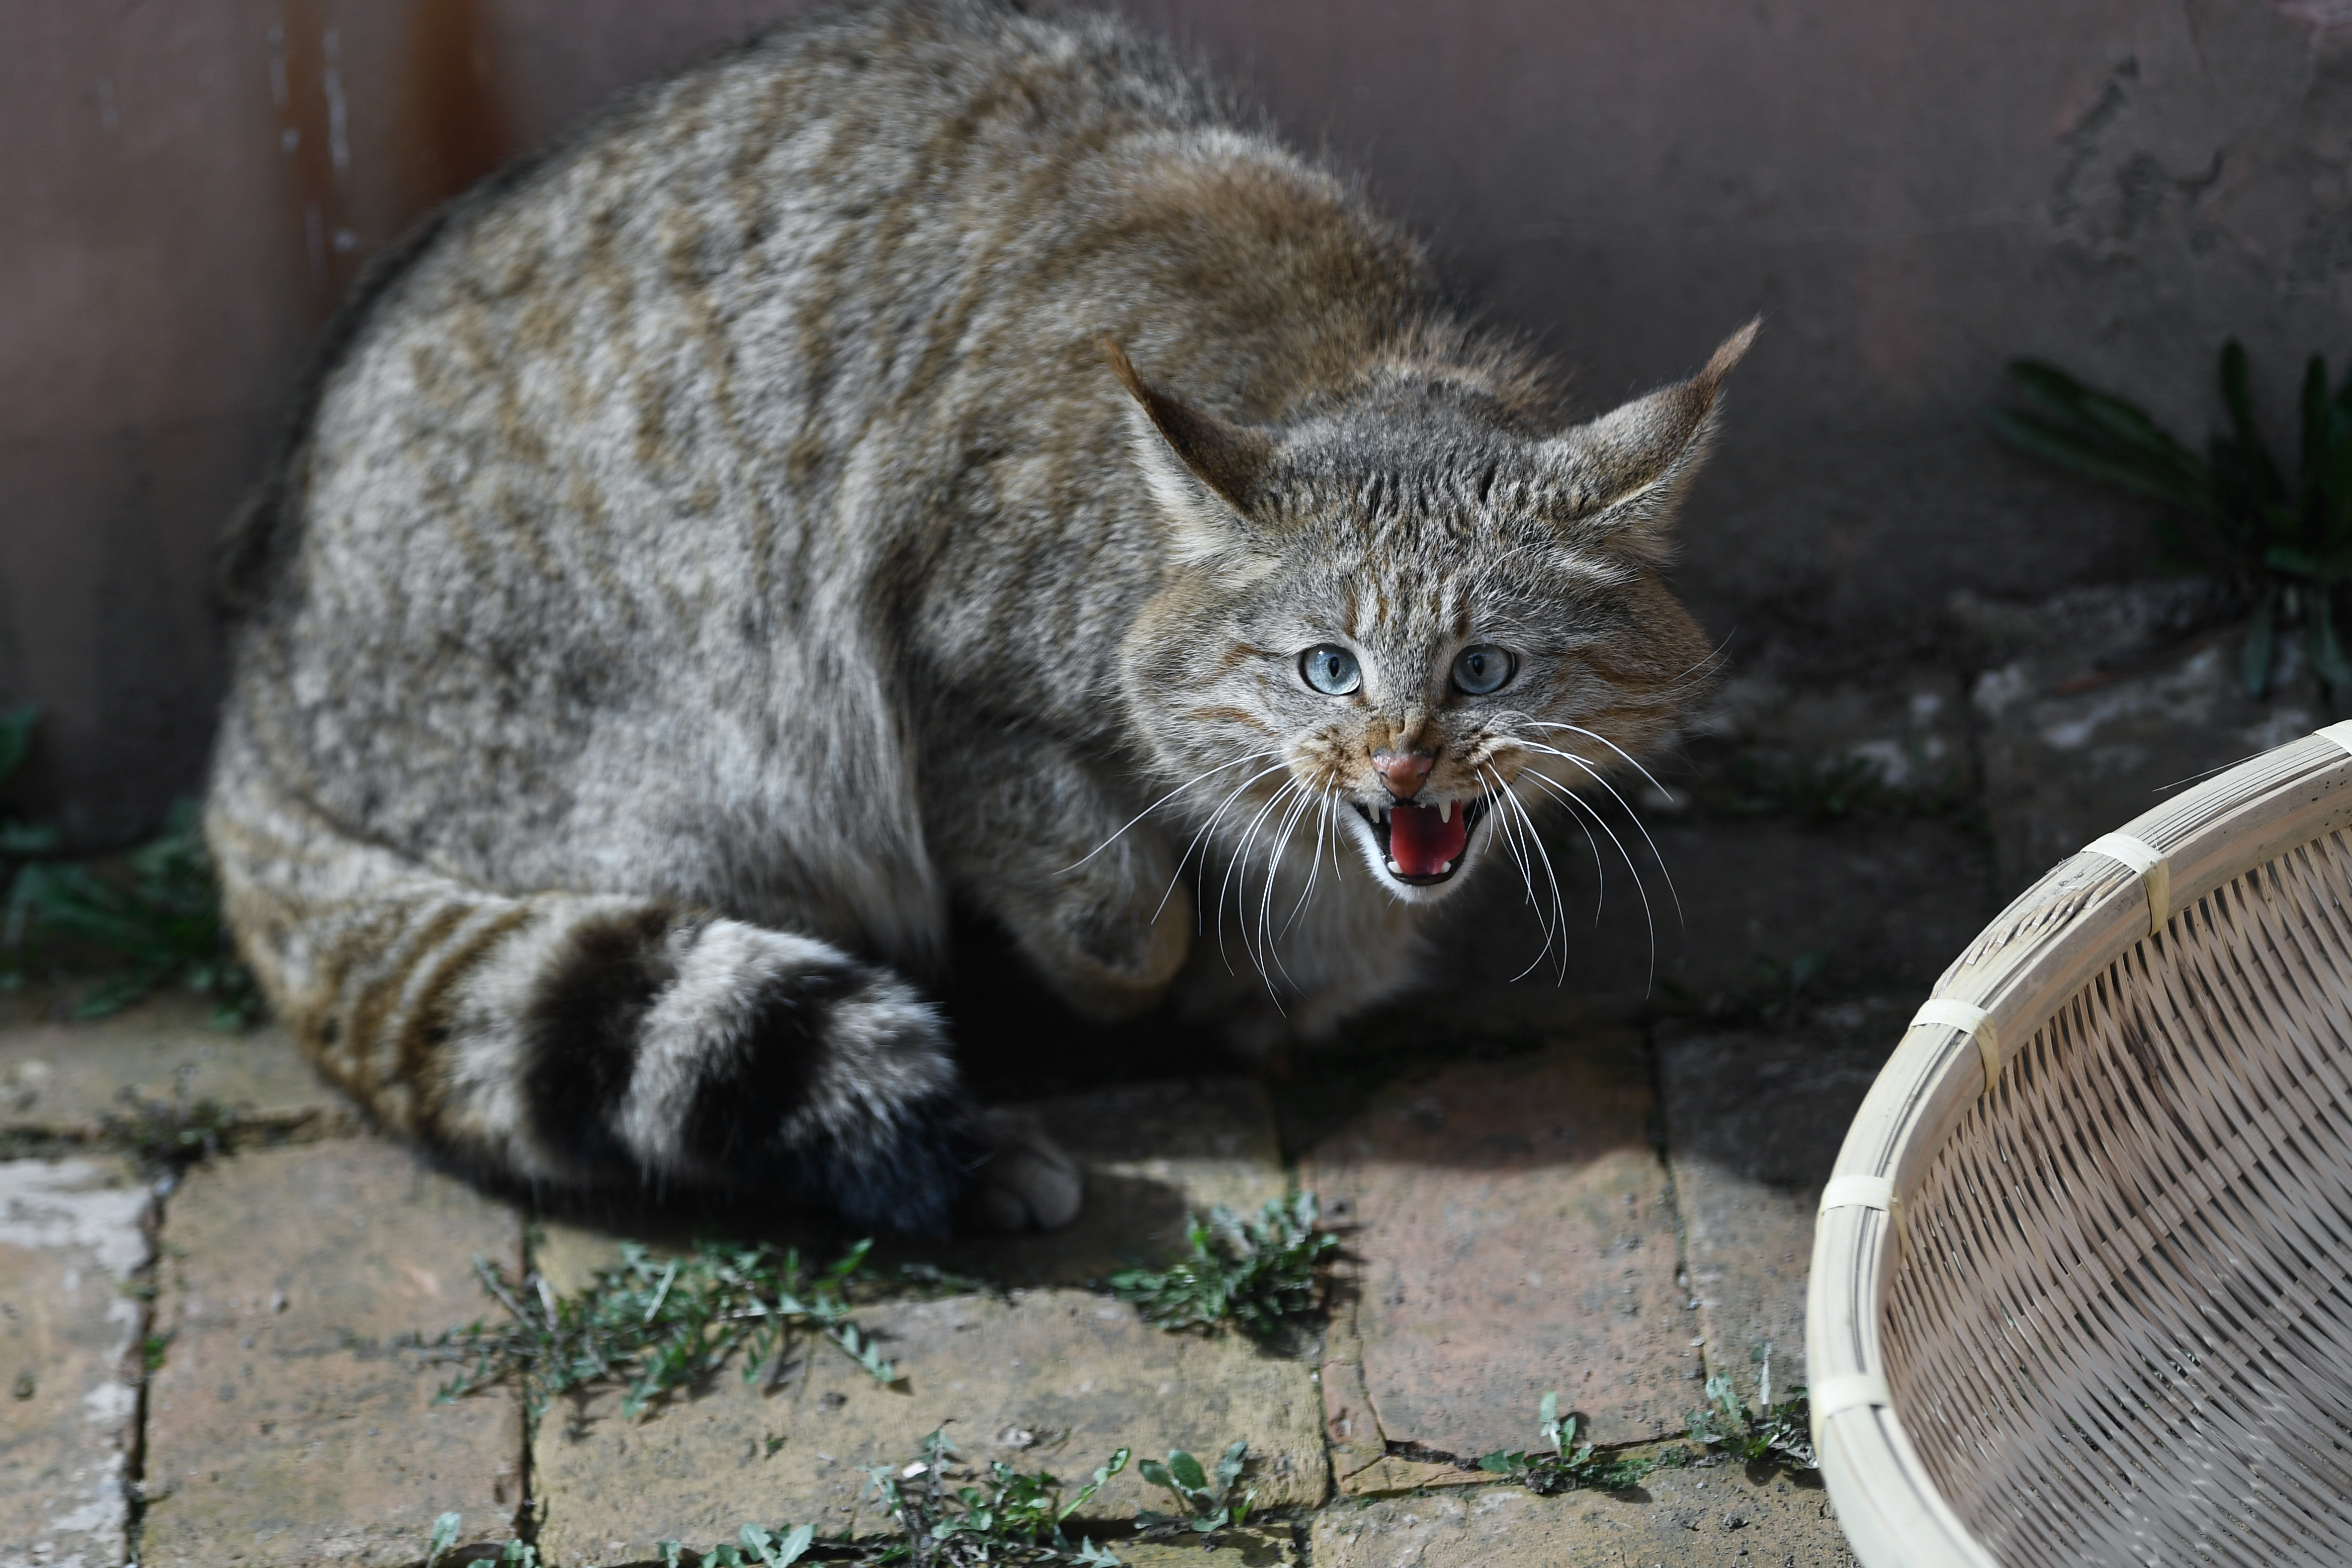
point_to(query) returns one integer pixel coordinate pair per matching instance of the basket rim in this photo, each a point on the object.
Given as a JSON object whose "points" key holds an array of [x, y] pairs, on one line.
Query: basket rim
{"points": [[2083, 914]]}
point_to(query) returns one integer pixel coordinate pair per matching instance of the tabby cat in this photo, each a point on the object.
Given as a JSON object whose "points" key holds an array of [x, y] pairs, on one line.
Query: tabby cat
{"points": [[929, 453]]}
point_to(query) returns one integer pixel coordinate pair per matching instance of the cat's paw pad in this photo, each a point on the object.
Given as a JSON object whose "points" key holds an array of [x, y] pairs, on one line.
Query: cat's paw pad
{"points": [[1027, 1181]]}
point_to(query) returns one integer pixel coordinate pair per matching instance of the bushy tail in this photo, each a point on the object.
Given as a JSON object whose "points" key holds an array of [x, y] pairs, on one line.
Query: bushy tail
{"points": [[580, 1040]]}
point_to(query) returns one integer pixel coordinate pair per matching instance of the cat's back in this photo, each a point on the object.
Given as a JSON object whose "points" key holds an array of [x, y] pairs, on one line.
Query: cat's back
{"points": [[754, 237], [668, 339], [589, 499]]}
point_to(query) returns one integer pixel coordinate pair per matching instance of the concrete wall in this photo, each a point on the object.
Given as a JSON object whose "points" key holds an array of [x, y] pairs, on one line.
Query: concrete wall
{"points": [[1911, 192]]}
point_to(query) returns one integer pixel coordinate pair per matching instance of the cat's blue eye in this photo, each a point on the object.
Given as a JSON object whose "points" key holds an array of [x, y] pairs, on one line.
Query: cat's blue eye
{"points": [[1330, 671], [1481, 669]]}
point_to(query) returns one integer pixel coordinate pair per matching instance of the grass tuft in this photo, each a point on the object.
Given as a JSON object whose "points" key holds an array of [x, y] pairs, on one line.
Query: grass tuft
{"points": [[1563, 1464], [949, 1515], [653, 1325], [1259, 1275], [1006, 1516], [1202, 1507], [166, 1137], [2282, 533], [155, 922], [1768, 1433]]}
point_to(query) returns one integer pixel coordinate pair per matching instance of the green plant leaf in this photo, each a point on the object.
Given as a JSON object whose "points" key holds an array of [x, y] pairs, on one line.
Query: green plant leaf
{"points": [[445, 1529], [1259, 1275], [2236, 396], [1229, 1468], [1187, 1471], [2070, 450]]}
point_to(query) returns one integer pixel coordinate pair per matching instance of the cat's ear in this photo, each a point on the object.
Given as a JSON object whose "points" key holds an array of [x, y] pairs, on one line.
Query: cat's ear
{"points": [[1204, 471], [1622, 476]]}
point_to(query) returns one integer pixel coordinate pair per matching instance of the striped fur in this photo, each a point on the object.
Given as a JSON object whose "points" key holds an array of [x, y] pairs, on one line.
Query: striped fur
{"points": [[711, 548]]}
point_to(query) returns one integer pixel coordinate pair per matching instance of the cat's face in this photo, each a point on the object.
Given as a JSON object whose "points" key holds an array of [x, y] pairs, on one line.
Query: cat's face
{"points": [[1408, 635]]}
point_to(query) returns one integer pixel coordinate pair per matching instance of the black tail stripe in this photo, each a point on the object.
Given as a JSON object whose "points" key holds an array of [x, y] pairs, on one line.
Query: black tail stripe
{"points": [[736, 1122], [580, 1034]]}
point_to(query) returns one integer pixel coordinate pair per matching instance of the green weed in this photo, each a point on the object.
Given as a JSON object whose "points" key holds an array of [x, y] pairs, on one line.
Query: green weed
{"points": [[1259, 1275], [148, 921], [1563, 1464], [1780, 1434], [1203, 1508], [653, 1325], [1782, 994], [165, 1137], [2234, 511], [154, 923], [518, 1553], [949, 1515], [1009, 1517]]}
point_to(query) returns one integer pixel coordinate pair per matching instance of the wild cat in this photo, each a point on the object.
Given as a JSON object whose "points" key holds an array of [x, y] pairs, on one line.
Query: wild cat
{"points": [[927, 454]]}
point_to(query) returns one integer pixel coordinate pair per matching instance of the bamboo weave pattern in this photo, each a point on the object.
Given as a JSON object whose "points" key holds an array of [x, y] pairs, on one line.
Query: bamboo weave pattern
{"points": [[2121, 1327]]}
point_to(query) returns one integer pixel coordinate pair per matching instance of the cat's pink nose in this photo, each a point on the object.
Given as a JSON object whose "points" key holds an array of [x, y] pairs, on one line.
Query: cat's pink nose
{"points": [[1404, 772]]}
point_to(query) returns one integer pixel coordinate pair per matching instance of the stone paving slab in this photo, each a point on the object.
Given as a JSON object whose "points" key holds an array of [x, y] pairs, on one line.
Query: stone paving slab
{"points": [[1885, 901], [1677, 1519], [1515, 1233], [1071, 1366], [283, 1427], [1051, 1379], [1271, 1548], [1754, 1120], [60, 1076], [72, 1235]]}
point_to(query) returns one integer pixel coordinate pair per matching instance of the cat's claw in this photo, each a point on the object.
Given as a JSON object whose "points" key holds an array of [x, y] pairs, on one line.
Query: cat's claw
{"points": [[1028, 1182]]}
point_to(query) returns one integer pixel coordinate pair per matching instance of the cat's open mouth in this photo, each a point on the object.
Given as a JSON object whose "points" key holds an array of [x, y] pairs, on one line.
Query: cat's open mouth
{"points": [[1424, 845]]}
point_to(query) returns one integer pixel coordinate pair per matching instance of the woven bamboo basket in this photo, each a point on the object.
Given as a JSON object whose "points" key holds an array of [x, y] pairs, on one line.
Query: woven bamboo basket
{"points": [[2081, 1284]]}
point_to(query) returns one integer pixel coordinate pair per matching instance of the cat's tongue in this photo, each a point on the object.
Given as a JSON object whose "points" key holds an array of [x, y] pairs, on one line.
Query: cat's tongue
{"points": [[1420, 844]]}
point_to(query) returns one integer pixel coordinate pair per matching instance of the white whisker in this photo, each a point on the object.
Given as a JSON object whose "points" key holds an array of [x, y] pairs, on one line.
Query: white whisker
{"points": [[1576, 803], [1314, 860], [1559, 909], [1508, 828], [1639, 826], [1200, 839], [1648, 777], [1241, 862], [1265, 936], [1163, 800]]}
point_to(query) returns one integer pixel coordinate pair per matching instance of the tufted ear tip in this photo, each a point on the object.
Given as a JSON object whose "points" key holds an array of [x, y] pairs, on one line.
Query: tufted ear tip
{"points": [[1729, 353], [1227, 460], [1623, 474]]}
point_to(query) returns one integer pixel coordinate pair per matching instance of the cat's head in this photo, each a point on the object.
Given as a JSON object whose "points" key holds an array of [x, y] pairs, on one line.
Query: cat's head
{"points": [[1411, 625]]}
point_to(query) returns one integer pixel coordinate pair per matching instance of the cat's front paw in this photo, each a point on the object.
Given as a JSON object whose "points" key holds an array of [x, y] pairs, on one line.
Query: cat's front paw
{"points": [[1027, 1181]]}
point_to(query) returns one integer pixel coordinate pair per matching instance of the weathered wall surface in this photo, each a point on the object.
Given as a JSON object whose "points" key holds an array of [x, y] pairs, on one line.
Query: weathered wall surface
{"points": [[1911, 192]]}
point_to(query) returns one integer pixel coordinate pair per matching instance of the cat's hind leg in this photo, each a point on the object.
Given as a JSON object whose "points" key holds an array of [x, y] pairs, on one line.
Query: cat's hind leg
{"points": [[578, 1040]]}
